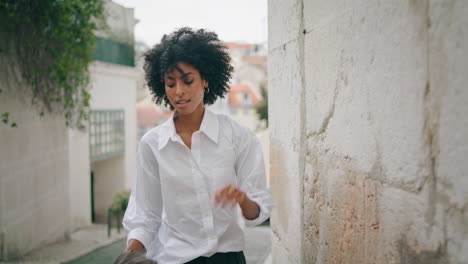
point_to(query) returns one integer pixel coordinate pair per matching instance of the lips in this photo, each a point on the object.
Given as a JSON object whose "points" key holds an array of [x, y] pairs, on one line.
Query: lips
{"points": [[182, 103]]}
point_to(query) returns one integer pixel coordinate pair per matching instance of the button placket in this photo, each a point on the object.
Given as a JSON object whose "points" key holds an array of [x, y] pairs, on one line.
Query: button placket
{"points": [[203, 195]]}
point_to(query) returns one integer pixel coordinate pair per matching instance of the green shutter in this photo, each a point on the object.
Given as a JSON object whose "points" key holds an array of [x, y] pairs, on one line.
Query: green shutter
{"points": [[115, 52]]}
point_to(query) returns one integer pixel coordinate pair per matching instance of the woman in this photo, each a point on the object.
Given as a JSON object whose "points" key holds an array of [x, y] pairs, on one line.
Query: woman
{"points": [[200, 176]]}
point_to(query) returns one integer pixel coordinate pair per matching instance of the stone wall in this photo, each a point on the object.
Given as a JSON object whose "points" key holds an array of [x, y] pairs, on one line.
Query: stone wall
{"points": [[368, 131]]}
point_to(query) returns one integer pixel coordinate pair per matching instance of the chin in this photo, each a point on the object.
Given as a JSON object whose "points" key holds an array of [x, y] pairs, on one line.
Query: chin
{"points": [[185, 111]]}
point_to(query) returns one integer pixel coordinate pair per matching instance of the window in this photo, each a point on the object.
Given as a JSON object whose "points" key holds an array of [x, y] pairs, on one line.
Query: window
{"points": [[106, 134]]}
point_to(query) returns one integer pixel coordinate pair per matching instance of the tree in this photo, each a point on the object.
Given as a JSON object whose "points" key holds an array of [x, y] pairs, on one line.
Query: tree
{"points": [[262, 106]]}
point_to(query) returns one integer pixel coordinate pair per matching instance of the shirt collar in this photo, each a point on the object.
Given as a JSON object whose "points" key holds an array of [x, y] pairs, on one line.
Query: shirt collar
{"points": [[209, 126], [166, 132]]}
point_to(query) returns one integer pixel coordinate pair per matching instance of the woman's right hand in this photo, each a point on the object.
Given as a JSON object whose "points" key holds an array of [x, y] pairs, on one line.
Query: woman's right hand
{"points": [[133, 257], [134, 254], [135, 245]]}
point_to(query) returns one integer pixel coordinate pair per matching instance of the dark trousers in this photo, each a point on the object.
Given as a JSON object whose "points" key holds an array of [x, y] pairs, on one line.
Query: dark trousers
{"points": [[221, 258]]}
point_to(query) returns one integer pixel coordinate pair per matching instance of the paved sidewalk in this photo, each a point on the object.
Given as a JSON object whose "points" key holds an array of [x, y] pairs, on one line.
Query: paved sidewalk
{"points": [[258, 247], [91, 245], [81, 242]]}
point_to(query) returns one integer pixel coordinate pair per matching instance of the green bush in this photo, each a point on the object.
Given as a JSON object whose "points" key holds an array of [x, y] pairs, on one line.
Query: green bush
{"points": [[120, 202], [262, 106]]}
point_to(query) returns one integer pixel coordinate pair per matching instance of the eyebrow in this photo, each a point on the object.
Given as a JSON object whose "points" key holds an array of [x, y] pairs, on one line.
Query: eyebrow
{"points": [[186, 74], [183, 75]]}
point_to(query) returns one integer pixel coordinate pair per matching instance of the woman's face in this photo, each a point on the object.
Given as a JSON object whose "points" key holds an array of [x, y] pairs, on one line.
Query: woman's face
{"points": [[185, 88]]}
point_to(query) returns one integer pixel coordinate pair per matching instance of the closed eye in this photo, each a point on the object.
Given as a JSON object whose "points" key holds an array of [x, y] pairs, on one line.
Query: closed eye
{"points": [[185, 82]]}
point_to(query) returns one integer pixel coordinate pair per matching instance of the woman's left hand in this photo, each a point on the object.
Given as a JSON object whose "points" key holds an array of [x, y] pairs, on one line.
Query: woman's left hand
{"points": [[229, 195], [232, 195]]}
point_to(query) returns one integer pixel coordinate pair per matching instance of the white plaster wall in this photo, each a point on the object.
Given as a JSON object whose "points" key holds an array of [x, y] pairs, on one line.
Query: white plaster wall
{"points": [[109, 178], [121, 23], [34, 182], [382, 177], [79, 173], [114, 87]]}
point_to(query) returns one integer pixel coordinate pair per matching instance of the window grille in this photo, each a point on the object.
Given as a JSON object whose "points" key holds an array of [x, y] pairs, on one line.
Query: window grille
{"points": [[106, 134]]}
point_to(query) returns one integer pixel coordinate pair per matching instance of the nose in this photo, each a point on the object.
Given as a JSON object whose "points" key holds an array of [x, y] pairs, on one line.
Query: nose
{"points": [[179, 88]]}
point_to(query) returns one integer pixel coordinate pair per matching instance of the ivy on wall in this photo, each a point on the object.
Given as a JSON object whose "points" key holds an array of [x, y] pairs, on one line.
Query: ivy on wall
{"points": [[53, 42]]}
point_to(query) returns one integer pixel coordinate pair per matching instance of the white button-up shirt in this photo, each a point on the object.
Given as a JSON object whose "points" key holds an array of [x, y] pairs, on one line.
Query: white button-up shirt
{"points": [[172, 211]]}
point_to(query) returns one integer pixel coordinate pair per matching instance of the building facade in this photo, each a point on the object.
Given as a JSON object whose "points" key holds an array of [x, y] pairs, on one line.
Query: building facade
{"points": [[54, 179]]}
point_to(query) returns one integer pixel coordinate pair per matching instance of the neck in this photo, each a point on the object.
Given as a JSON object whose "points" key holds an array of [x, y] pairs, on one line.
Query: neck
{"points": [[190, 122]]}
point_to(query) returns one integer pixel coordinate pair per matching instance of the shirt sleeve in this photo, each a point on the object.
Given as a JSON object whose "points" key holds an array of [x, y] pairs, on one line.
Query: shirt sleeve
{"points": [[250, 169], [143, 215]]}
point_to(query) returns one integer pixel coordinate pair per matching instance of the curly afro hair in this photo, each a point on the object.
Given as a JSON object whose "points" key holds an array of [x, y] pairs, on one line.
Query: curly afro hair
{"points": [[201, 49]]}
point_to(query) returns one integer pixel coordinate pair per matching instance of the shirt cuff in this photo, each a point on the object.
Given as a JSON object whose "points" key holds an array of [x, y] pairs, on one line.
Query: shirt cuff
{"points": [[140, 235], [262, 216]]}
